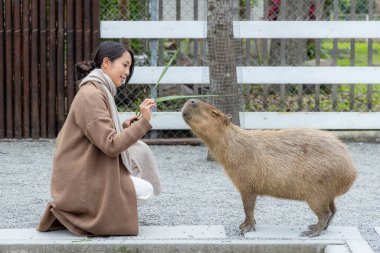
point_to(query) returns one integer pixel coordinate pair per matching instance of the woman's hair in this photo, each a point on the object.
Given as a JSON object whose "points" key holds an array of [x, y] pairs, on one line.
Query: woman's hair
{"points": [[111, 50]]}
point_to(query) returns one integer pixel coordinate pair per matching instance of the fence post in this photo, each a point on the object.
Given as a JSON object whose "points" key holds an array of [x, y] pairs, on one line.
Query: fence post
{"points": [[17, 117], [52, 123], [34, 72], [2, 74], [8, 69], [43, 69]]}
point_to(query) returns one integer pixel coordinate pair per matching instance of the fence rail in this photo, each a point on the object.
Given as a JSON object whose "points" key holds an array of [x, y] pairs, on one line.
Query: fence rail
{"points": [[242, 29], [262, 75]]}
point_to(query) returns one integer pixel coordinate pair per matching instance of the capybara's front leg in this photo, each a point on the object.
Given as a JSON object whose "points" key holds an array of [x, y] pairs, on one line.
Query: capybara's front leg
{"points": [[249, 201]]}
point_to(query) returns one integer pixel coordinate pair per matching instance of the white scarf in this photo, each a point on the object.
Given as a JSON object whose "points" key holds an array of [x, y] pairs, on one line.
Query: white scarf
{"points": [[97, 75]]}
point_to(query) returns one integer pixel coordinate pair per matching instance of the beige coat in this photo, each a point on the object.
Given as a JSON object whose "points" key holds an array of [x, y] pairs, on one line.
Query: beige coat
{"points": [[92, 190]]}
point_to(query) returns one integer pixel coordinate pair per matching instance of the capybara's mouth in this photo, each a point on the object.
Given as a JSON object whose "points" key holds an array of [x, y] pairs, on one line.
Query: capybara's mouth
{"points": [[185, 110], [185, 113]]}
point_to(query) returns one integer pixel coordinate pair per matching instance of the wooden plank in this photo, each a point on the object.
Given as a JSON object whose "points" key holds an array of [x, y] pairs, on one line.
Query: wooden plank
{"points": [[278, 120], [282, 63], [26, 67], [352, 54], [78, 32], [17, 82], [320, 120], [370, 56], [95, 5], [196, 45], [263, 75], [8, 69], [2, 73], [52, 71], [317, 63], [87, 30], [335, 54], [174, 75], [43, 69], [177, 41], [242, 29], [34, 72], [70, 40], [302, 29], [153, 29], [309, 75], [247, 41], [60, 65]]}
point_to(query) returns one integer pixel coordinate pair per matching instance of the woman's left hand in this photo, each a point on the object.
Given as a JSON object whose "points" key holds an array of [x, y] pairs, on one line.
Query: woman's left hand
{"points": [[129, 121]]}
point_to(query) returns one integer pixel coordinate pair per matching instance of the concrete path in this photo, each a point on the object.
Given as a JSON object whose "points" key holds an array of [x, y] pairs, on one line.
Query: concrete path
{"points": [[195, 192], [188, 239]]}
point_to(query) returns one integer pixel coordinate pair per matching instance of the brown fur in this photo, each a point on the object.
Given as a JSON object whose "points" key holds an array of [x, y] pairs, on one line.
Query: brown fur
{"points": [[301, 164]]}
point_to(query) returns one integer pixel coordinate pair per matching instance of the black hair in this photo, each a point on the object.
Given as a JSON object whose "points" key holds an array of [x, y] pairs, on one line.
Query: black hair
{"points": [[110, 49]]}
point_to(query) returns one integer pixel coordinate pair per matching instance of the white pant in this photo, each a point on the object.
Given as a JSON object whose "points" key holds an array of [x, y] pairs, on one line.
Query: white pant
{"points": [[144, 189]]}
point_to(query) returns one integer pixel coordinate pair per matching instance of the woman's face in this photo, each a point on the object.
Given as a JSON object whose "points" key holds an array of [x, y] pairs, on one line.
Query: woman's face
{"points": [[118, 70]]}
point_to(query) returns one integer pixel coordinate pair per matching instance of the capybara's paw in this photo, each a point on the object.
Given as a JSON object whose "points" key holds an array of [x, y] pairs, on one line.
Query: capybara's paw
{"points": [[247, 227], [311, 233]]}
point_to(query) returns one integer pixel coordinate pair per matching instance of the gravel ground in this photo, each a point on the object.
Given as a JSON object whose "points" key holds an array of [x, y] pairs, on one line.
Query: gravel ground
{"points": [[195, 192]]}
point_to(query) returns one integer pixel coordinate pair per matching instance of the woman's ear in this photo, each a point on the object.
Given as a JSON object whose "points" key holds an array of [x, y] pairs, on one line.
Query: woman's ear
{"points": [[105, 63]]}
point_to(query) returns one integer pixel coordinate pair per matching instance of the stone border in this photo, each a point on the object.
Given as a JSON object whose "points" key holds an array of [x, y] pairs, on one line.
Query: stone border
{"points": [[188, 239]]}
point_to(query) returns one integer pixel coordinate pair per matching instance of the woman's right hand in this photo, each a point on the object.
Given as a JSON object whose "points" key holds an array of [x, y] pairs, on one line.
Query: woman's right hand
{"points": [[146, 108]]}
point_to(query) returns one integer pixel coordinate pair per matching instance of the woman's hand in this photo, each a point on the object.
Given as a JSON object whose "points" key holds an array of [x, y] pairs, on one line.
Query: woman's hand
{"points": [[129, 121], [146, 108]]}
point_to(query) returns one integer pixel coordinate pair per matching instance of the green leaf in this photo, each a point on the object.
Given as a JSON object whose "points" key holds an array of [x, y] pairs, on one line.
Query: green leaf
{"points": [[167, 66], [169, 98]]}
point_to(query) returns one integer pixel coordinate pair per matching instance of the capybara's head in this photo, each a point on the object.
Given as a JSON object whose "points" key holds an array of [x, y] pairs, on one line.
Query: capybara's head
{"points": [[205, 120]]}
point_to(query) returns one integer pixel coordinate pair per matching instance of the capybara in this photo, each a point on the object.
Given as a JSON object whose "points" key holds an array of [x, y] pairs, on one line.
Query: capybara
{"points": [[300, 164]]}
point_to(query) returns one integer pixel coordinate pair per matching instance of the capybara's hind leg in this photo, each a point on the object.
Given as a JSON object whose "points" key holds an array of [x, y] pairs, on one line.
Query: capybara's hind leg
{"points": [[249, 201], [323, 213], [333, 211]]}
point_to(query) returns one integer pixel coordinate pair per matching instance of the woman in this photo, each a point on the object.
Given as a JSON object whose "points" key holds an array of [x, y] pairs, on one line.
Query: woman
{"points": [[100, 168]]}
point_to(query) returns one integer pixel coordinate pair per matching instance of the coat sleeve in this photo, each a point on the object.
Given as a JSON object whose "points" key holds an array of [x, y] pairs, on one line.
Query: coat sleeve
{"points": [[94, 118]]}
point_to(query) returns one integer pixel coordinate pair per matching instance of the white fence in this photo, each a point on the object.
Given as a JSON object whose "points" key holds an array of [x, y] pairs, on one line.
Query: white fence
{"points": [[260, 75]]}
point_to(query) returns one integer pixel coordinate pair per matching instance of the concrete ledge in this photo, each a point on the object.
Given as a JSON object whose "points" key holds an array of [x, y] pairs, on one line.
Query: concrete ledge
{"points": [[274, 239], [289, 233], [358, 136], [22, 236], [377, 229]]}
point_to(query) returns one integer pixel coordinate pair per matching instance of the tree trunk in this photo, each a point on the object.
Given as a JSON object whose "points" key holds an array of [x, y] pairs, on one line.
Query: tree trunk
{"points": [[221, 56]]}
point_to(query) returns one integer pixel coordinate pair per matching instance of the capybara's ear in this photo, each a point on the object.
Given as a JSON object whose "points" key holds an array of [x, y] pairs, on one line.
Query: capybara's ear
{"points": [[228, 118], [215, 113]]}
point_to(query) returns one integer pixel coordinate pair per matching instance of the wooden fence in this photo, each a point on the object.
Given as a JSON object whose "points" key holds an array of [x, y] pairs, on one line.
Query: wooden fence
{"points": [[265, 75], [40, 42]]}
